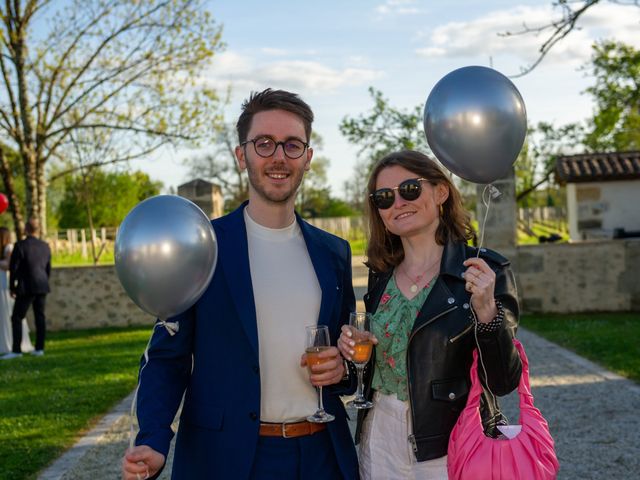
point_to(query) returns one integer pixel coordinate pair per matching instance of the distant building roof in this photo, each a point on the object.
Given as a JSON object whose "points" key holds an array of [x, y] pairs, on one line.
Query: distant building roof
{"points": [[199, 182], [594, 167]]}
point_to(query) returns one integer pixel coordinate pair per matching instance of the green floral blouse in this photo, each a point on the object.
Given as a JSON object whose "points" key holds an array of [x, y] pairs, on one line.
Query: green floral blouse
{"points": [[392, 324]]}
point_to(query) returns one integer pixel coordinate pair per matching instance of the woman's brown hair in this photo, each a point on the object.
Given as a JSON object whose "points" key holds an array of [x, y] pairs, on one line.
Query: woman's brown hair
{"points": [[385, 250], [5, 239]]}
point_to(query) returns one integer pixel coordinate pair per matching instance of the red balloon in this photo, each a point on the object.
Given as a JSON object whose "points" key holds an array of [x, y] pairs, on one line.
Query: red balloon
{"points": [[4, 202]]}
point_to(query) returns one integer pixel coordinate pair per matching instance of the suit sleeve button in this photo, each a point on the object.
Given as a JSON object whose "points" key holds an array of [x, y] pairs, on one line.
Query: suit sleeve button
{"points": [[253, 416], [256, 369]]}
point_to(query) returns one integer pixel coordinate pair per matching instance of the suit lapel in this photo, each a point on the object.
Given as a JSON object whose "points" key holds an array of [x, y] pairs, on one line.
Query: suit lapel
{"points": [[323, 264], [234, 256]]}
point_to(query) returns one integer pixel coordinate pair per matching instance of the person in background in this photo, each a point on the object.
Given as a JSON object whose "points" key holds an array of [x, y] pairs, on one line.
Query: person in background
{"points": [[424, 283], [29, 271], [237, 355], [6, 302]]}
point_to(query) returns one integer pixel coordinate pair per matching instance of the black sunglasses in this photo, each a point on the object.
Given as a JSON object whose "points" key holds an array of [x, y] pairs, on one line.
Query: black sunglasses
{"points": [[410, 189]]}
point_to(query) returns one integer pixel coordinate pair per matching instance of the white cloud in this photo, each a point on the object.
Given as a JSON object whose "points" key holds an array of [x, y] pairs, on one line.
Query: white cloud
{"points": [[248, 73], [275, 52], [397, 7], [480, 37]]}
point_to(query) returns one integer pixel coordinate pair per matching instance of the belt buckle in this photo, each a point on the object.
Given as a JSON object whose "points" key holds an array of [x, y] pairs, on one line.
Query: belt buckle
{"points": [[284, 429]]}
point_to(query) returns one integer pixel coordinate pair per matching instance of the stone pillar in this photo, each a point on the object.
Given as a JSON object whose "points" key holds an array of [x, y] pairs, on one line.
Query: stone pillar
{"points": [[500, 232]]}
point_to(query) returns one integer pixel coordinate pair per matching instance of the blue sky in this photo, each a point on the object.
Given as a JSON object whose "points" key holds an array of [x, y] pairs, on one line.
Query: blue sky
{"points": [[330, 52]]}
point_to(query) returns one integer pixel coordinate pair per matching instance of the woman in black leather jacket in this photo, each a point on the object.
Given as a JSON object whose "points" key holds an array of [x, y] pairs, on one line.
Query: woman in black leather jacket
{"points": [[424, 282]]}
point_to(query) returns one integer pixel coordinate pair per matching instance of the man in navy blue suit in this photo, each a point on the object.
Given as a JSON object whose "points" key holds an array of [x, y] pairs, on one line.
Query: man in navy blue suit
{"points": [[238, 355], [29, 271]]}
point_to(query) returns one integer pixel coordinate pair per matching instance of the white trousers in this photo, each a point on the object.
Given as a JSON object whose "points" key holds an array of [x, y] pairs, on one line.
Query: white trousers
{"points": [[385, 452]]}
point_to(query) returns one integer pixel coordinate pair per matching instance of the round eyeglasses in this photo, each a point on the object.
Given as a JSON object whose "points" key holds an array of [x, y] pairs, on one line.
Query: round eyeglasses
{"points": [[266, 146], [411, 189]]}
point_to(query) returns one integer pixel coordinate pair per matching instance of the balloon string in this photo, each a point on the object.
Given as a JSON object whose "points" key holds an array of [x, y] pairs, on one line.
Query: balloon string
{"points": [[172, 328], [489, 192]]}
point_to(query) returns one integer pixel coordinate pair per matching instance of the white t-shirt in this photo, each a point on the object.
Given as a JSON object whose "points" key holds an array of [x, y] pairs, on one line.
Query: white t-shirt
{"points": [[287, 297]]}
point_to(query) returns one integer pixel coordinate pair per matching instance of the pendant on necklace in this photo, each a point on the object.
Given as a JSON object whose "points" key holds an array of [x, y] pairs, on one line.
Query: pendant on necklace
{"points": [[413, 288]]}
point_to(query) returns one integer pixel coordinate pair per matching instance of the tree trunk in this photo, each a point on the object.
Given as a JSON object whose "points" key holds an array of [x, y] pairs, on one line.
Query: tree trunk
{"points": [[42, 198], [14, 202]]}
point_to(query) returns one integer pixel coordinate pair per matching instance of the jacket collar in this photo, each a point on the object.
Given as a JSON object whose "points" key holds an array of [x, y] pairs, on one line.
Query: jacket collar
{"points": [[453, 256]]}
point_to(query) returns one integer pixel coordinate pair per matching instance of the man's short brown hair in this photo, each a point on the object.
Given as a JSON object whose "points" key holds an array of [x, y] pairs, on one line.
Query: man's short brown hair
{"points": [[273, 100], [32, 226]]}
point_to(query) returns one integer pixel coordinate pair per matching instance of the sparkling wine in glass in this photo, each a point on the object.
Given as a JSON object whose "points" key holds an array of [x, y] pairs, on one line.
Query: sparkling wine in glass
{"points": [[360, 323], [317, 341]]}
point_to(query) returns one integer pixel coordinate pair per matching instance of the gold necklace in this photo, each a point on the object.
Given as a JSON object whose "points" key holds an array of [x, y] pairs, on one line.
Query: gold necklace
{"points": [[414, 284]]}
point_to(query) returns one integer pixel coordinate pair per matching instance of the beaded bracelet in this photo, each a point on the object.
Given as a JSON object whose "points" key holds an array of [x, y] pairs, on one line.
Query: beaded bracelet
{"points": [[495, 324]]}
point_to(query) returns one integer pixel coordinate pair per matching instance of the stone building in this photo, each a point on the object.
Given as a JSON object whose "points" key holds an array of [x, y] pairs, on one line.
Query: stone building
{"points": [[207, 195], [603, 194]]}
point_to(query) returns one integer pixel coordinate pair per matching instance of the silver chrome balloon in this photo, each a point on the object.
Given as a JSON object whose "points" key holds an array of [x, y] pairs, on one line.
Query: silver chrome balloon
{"points": [[475, 122], [165, 254]]}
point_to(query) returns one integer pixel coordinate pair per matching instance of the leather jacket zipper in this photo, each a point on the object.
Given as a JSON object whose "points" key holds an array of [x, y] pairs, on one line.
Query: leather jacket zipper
{"points": [[412, 436], [462, 333]]}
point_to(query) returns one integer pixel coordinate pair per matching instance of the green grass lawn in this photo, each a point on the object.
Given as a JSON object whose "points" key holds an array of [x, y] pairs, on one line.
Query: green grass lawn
{"points": [[66, 259], [47, 402], [609, 339], [540, 229]]}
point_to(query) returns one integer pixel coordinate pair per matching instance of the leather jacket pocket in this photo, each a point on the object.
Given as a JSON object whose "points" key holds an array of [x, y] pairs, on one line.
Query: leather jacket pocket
{"points": [[449, 390]]}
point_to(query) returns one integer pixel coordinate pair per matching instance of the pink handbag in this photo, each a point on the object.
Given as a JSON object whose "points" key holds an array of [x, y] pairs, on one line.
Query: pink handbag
{"points": [[530, 455]]}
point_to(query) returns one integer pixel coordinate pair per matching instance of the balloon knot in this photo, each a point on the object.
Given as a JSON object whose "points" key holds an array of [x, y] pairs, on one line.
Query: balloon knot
{"points": [[171, 327]]}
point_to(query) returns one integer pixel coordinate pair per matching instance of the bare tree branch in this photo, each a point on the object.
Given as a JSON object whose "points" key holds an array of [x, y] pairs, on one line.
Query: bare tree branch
{"points": [[559, 28]]}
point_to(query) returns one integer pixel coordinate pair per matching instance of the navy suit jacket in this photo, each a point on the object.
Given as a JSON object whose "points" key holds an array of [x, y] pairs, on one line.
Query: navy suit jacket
{"points": [[30, 267], [218, 430]]}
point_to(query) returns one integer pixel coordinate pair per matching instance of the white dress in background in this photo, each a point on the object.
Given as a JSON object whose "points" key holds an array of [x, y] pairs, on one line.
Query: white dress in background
{"points": [[6, 308]]}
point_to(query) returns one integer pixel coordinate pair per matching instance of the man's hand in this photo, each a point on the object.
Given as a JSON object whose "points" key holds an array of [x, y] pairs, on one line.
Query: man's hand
{"points": [[141, 462], [329, 372]]}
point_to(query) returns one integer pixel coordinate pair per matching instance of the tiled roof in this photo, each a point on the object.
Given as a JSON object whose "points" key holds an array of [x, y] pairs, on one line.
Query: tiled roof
{"points": [[594, 167]]}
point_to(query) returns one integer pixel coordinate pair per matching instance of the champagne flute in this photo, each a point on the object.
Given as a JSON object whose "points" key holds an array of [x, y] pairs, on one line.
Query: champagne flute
{"points": [[318, 341], [360, 323]]}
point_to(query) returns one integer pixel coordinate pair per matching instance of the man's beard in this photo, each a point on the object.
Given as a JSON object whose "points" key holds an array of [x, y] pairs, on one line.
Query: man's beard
{"points": [[278, 196]]}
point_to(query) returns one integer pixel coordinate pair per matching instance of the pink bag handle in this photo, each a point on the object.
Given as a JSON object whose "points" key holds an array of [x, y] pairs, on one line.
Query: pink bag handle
{"points": [[524, 388]]}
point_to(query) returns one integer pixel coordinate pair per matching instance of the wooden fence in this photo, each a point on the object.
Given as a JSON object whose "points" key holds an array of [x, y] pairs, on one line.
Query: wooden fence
{"points": [[72, 241]]}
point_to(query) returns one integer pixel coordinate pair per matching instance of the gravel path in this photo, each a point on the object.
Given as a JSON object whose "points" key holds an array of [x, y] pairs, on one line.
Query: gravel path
{"points": [[592, 414]]}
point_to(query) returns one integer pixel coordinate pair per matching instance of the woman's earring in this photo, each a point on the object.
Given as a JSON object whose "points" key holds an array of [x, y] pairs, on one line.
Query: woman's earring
{"points": [[441, 210]]}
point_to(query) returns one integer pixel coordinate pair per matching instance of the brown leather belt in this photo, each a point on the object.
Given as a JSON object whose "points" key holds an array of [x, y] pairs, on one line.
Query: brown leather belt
{"points": [[289, 430]]}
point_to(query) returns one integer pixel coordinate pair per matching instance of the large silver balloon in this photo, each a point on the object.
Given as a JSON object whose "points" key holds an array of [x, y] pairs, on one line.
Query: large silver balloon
{"points": [[165, 254], [475, 122]]}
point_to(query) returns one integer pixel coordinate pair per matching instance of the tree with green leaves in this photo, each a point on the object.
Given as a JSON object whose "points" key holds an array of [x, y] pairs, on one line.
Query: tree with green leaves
{"points": [[103, 197], [615, 125], [381, 130], [126, 70], [536, 163], [616, 92], [385, 129]]}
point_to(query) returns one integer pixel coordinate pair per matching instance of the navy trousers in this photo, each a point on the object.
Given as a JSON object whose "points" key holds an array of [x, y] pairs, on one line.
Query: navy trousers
{"points": [[20, 308], [309, 457]]}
